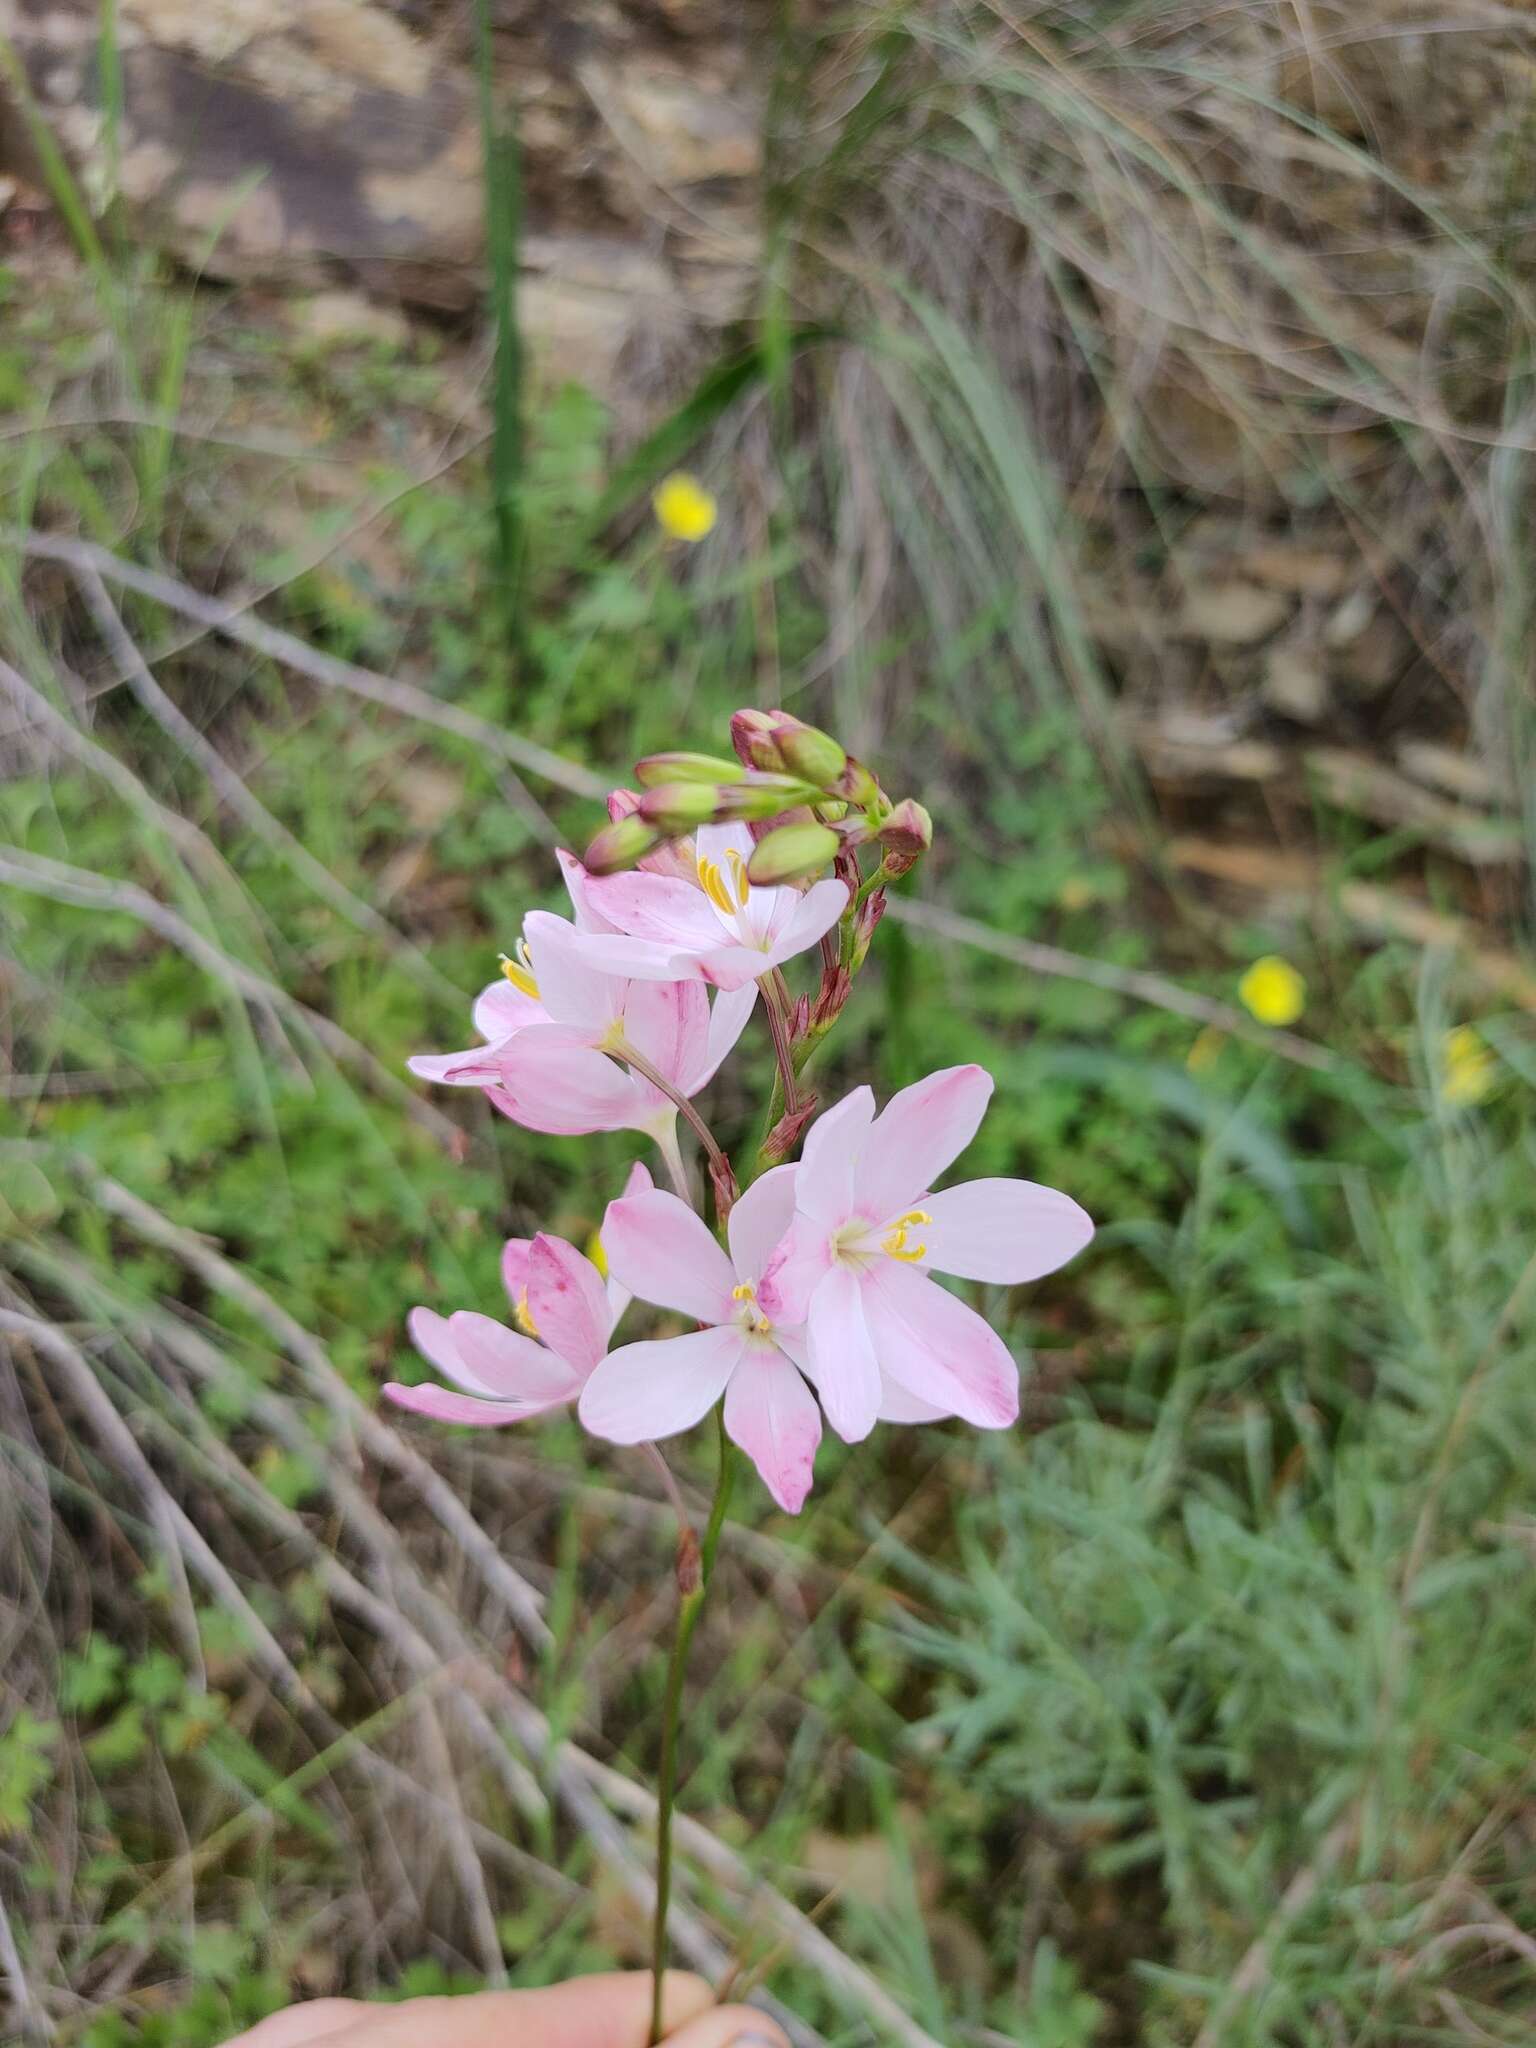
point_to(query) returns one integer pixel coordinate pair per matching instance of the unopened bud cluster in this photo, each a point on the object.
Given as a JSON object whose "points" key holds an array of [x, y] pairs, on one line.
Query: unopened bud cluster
{"points": [[809, 803]]}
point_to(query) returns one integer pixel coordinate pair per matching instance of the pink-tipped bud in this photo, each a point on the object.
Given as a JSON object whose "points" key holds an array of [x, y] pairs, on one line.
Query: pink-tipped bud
{"points": [[791, 853], [657, 769], [786, 1133], [905, 836], [675, 807], [620, 845], [753, 737], [836, 986], [856, 784], [622, 803]]}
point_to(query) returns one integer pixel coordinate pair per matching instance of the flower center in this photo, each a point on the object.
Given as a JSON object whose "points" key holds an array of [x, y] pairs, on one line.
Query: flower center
{"points": [[749, 1315], [520, 971], [728, 890], [858, 1243]]}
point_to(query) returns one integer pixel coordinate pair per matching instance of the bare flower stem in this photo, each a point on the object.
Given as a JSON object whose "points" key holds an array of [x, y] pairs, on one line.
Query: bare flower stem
{"points": [[776, 1007], [690, 1601], [637, 1060]]}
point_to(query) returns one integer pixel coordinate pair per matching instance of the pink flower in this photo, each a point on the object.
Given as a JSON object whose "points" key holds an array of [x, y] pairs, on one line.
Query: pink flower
{"points": [[867, 1232], [551, 1024], [559, 1297], [657, 1246], [716, 927]]}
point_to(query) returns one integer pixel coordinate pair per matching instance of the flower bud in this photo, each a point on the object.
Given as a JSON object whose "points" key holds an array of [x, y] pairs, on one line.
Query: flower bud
{"points": [[762, 796], [791, 853], [856, 784], [675, 807], [787, 1133], [752, 735], [622, 803], [656, 769], [620, 845], [809, 752], [906, 836]]}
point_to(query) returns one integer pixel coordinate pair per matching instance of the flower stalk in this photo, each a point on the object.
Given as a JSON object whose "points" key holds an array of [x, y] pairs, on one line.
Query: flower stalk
{"points": [[693, 1583]]}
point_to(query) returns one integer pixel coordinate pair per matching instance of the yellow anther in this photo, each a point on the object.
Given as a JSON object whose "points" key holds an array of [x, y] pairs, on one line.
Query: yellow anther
{"points": [[520, 971], [895, 1245], [712, 882], [762, 1326], [745, 1292], [739, 877], [522, 1315], [915, 1216]]}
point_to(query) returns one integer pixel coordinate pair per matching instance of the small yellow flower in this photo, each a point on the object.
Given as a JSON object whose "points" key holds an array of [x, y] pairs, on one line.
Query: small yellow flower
{"points": [[684, 509], [1273, 991], [1467, 1067]]}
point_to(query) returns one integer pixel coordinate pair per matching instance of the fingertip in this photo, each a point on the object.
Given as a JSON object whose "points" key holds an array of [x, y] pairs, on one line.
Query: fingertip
{"points": [[301, 2024], [730, 2026]]}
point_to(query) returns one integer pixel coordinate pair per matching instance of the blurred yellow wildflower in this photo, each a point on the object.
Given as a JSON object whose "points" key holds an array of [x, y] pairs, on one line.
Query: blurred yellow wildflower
{"points": [[1273, 991], [684, 509], [1467, 1066]]}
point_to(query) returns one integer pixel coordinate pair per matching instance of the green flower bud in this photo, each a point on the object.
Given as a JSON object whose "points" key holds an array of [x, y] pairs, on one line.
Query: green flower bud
{"points": [[763, 796], [791, 853], [657, 769], [620, 845], [678, 806], [808, 752]]}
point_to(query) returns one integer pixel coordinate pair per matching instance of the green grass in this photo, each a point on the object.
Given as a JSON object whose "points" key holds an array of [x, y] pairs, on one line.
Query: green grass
{"points": [[1194, 1711]]}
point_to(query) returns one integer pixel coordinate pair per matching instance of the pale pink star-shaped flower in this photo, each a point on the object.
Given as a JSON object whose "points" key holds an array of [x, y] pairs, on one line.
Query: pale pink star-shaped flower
{"points": [[551, 1023], [501, 1375], [714, 926], [868, 1231]]}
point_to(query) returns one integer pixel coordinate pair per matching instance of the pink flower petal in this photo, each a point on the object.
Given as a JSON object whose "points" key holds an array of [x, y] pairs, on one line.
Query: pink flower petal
{"points": [[554, 1084], [478, 1067], [644, 1391], [918, 1133], [668, 1023], [505, 1365], [514, 1267], [619, 1296], [578, 883], [810, 918], [659, 1249], [445, 1406], [502, 1010], [572, 990], [832, 1145], [938, 1349], [759, 1220], [727, 1020], [668, 913], [796, 1267], [842, 1355], [430, 1334], [1002, 1230], [772, 1414], [567, 1302], [896, 1404]]}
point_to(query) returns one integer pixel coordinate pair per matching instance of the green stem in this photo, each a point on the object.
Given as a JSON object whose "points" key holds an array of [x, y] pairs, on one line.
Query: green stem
{"points": [[688, 1606]]}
